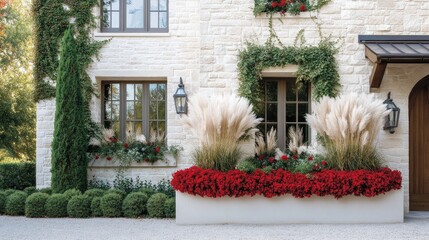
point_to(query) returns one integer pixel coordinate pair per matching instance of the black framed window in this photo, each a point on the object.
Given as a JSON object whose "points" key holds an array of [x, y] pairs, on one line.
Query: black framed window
{"points": [[134, 16], [138, 107], [283, 107]]}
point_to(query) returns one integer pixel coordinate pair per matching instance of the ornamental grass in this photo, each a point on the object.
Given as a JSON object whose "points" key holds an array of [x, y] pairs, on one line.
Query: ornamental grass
{"points": [[220, 124], [347, 126]]}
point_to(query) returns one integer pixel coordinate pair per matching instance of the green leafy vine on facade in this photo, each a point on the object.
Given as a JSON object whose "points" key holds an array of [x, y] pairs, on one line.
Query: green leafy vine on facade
{"points": [[52, 18], [316, 65]]}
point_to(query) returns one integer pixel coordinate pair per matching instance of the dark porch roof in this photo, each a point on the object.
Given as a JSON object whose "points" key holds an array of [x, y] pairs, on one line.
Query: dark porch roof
{"points": [[384, 49]]}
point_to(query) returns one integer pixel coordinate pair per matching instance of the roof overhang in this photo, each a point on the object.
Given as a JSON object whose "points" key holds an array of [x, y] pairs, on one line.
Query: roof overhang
{"points": [[384, 49]]}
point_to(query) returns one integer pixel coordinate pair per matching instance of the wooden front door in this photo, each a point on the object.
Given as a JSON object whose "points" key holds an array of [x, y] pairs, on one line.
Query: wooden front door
{"points": [[419, 146]]}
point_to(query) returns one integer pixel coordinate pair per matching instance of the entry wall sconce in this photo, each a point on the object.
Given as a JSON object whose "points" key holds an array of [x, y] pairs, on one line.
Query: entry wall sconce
{"points": [[391, 120], [181, 99]]}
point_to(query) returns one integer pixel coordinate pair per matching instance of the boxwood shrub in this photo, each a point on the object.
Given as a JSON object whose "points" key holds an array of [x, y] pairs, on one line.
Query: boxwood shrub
{"points": [[111, 205], [120, 192], [155, 205], [9, 192], [30, 190], [15, 204], [56, 206], [17, 175], [96, 208], [35, 205], [3, 197], [170, 208], [92, 193], [79, 206], [134, 204], [71, 193], [46, 190]]}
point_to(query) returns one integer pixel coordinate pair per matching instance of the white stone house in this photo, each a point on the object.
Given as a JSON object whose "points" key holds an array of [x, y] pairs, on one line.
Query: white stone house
{"points": [[155, 42]]}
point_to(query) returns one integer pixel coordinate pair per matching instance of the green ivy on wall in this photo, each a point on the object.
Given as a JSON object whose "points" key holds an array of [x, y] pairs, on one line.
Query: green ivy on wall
{"points": [[294, 7], [316, 64], [51, 20]]}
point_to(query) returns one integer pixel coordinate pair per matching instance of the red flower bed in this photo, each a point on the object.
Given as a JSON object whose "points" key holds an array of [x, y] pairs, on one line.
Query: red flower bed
{"points": [[235, 183]]}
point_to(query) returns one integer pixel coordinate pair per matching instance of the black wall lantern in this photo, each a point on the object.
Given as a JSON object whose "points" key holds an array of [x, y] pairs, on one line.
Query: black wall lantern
{"points": [[391, 120], [180, 99]]}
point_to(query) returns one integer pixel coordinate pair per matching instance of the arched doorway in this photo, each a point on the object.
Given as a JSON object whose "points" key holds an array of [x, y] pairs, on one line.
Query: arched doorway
{"points": [[419, 146]]}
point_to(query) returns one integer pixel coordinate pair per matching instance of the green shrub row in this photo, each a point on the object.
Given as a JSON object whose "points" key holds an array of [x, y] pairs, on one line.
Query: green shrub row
{"points": [[17, 175], [93, 203]]}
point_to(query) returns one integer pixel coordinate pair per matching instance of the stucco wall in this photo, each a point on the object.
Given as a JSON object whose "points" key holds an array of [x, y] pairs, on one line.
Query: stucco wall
{"points": [[202, 47]]}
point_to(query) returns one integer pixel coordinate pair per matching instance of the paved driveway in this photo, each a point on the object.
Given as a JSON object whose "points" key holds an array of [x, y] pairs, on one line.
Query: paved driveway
{"points": [[416, 226]]}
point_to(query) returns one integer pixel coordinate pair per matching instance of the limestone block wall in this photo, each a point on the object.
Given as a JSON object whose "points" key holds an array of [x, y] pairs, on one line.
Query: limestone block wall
{"points": [[202, 46], [44, 135]]}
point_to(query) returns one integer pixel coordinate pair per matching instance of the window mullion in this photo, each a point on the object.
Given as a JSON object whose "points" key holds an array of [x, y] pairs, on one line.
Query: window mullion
{"points": [[122, 110], [281, 114], [145, 115]]}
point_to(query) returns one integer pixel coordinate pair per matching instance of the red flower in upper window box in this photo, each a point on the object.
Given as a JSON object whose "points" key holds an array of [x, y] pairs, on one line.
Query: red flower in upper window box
{"points": [[284, 157], [126, 145], [274, 4], [302, 8], [157, 149]]}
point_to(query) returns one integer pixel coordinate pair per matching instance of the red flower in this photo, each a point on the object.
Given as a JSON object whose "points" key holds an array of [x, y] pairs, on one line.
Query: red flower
{"points": [[261, 157], [108, 158], [302, 8], [274, 4], [113, 139], [271, 159], [324, 163], [157, 149], [235, 183], [284, 157], [146, 160], [295, 157], [125, 145], [97, 156], [310, 158], [282, 3]]}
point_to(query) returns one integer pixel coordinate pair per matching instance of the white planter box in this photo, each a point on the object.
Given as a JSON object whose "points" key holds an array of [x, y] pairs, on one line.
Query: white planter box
{"points": [[388, 208], [169, 161]]}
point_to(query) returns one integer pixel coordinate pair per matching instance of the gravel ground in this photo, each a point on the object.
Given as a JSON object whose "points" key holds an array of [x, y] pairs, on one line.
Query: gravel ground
{"points": [[416, 226]]}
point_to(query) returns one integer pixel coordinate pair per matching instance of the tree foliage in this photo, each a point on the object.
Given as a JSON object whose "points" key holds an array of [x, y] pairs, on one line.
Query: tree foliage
{"points": [[69, 160], [17, 121]]}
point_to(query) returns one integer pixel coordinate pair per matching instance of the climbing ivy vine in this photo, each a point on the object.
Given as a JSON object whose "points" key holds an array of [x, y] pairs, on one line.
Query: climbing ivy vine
{"points": [[52, 18], [316, 65]]}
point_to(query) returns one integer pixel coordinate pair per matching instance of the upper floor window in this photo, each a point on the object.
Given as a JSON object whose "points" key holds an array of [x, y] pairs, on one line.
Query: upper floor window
{"points": [[134, 16]]}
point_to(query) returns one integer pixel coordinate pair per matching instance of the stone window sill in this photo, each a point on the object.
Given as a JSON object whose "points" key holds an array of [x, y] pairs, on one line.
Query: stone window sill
{"points": [[169, 162], [107, 34]]}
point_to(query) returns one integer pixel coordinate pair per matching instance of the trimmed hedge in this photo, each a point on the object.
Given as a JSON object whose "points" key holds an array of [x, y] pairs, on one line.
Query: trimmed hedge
{"points": [[15, 204], [117, 191], [96, 208], [10, 192], [30, 190], [92, 193], [170, 208], [71, 193], [3, 197], [79, 206], [35, 205], [111, 205], [17, 175], [134, 204], [155, 205], [46, 190], [56, 206]]}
